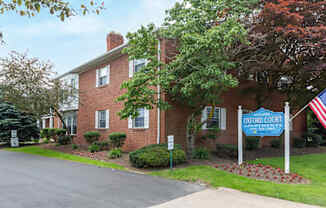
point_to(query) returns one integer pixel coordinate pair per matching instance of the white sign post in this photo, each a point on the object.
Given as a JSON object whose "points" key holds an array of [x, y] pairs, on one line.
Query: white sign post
{"points": [[14, 139], [287, 137], [170, 148], [240, 155]]}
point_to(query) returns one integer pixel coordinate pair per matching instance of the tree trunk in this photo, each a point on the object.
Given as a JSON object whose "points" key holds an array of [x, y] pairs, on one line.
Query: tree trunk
{"points": [[64, 126]]}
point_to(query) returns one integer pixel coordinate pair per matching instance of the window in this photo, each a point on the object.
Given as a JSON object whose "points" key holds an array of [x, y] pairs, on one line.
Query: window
{"points": [[71, 122], [141, 121], [102, 76], [213, 118], [216, 119], [136, 66], [102, 119]]}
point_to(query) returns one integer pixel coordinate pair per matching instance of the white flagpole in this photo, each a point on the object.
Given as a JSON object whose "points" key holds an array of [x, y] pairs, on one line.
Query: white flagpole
{"points": [[287, 138]]}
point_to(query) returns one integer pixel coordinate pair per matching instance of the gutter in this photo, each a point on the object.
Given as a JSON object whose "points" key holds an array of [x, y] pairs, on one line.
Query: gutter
{"points": [[158, 96]]}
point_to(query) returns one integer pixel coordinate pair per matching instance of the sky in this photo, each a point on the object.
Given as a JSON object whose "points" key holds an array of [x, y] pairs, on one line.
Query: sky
{"points": [[77, 40]]}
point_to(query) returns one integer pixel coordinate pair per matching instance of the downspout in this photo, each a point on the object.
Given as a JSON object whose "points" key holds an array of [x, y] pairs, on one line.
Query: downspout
{"points": [[158, 95]]}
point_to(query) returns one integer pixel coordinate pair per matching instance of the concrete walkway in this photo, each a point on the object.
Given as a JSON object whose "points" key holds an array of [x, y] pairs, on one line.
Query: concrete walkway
{"points": [[228, 198]]}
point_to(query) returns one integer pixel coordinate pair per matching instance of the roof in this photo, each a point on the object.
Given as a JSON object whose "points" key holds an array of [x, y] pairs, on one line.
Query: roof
{"points": [[102, 59]]}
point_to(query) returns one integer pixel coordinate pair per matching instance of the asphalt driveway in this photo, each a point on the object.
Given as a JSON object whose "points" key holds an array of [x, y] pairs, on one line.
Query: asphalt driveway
{"points": [[28, 181]]}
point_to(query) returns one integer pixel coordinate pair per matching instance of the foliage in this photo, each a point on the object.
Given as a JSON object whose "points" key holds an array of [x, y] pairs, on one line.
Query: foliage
{"points": [[201, 153], [28, 84], [92, 136], [157, 155], [195, 73], [64, 139], [13, 119], [93, 148], [104, 145], [60, 132], [276, 143], [287, 50], [74, 146], [312, 140], [228, 150], [115, 153], [117, 139], [309, 166], [46, 141], [252, 143], [63, 156], [60, 8], [299, 143]]}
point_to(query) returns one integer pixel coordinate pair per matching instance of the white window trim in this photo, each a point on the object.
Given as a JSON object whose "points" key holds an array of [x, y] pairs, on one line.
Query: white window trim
{"points": [[146, 121], [222, 118], [98, 71], [133, 63], [107, 120]]}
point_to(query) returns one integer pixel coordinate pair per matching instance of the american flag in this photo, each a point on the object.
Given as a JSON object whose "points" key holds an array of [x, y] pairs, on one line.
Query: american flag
{"points": [[318, 106]]}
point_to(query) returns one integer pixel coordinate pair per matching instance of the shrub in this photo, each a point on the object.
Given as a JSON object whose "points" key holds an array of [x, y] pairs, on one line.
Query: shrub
{"points": [[36, 141], [74, 146], [117, 139], [299, 143], [276, 143], [46, 141], [115, 153], [64, 139], [252, 143], [200, 153], [93, 148], [157, 155], [45, 133], [92, 136], [104, 145], [312, 140], [227, 150], [60, 132]]}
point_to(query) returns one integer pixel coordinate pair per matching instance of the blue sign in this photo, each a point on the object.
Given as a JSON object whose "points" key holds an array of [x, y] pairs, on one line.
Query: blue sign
{"points": [[263, 123]]}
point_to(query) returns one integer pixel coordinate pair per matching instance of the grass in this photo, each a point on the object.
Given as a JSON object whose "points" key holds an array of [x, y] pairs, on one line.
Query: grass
{"points": [[58, 155], [312, 167]]}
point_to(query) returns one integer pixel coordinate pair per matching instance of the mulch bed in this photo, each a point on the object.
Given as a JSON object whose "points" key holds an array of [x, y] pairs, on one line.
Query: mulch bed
{"points": [[263, 172]]}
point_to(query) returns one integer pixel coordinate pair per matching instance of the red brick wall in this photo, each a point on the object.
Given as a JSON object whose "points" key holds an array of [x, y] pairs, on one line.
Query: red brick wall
{"points": [[177, 116], [93, 99]]}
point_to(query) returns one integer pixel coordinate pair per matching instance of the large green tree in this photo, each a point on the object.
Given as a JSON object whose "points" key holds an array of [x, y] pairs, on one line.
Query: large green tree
{"points": [[30, 85], [13, 119], [197, 72]]}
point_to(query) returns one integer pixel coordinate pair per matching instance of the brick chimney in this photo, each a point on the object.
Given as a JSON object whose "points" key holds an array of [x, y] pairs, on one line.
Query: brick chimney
{"points": [[113, 40]]}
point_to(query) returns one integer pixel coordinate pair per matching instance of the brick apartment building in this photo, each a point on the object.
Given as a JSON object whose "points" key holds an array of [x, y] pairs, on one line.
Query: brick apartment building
{"points": [[99, 80]]}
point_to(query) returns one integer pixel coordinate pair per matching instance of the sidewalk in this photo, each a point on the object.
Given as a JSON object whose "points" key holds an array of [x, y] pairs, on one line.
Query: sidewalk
{"points": [[229, 198]]}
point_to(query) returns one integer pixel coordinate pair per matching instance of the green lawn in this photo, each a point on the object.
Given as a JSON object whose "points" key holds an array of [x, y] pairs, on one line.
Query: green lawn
{"points": [[312, 167], [58, 155]]}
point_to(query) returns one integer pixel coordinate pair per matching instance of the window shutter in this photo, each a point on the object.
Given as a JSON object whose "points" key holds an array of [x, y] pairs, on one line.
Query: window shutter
{"points": [[223, 118], [107, 119], [131, 68], [96, 119], [38, 123], [58, 122], [108, 75], [43, 123], [146, 119], [129, 122], [204, 118], [51, 122], [97, 76]]}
